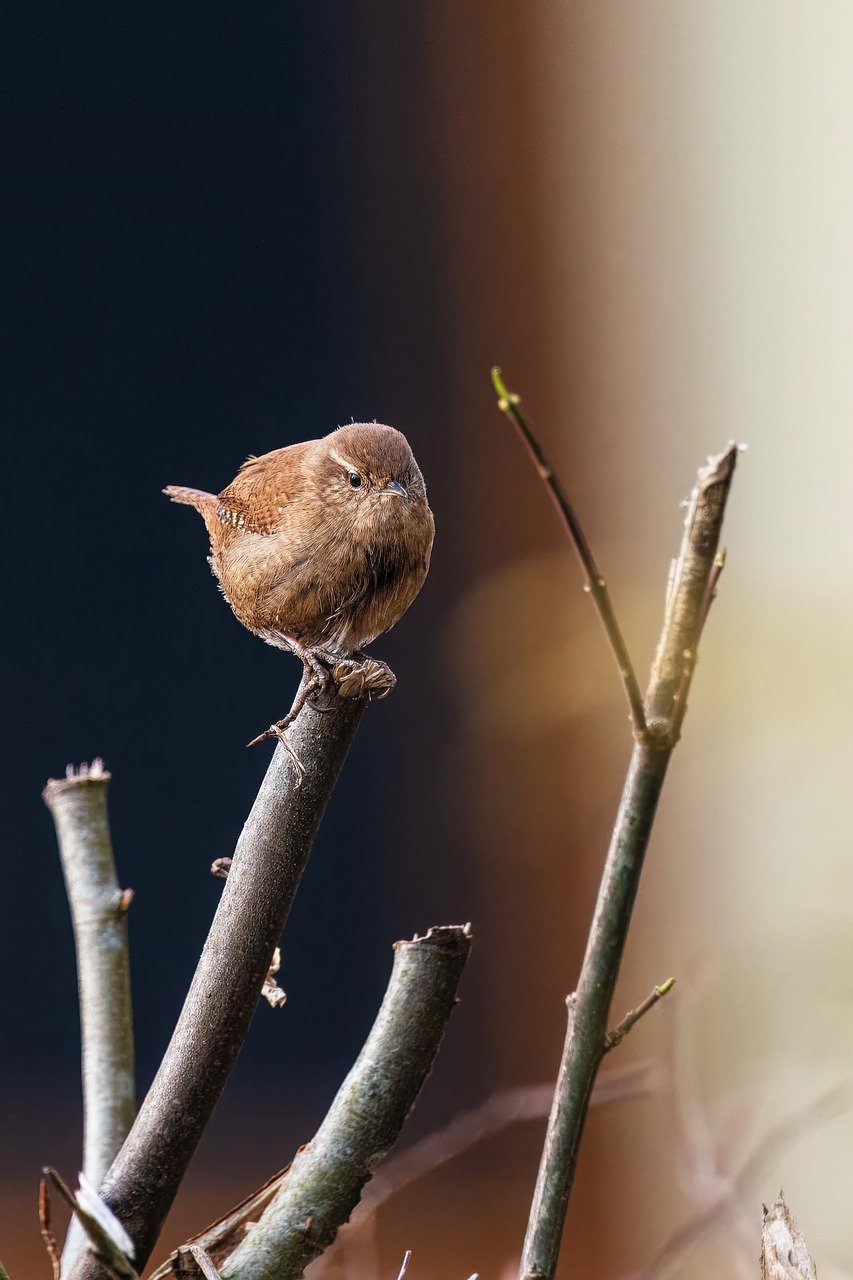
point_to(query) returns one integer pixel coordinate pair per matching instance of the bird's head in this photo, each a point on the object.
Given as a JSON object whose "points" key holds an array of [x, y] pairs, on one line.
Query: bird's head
{"points": [[368, 472]]}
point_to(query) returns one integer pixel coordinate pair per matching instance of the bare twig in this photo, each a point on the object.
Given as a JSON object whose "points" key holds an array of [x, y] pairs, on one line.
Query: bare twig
{"points": [[325, 1181], [270, 857], [203, 1262], [589, 1006], [619, 1032], [595, 585], [107, 1240], [78, 805], [222, 1236], [46, 1233]]}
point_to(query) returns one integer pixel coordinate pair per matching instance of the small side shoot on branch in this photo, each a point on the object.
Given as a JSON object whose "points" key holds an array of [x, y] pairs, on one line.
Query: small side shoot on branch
{"points": [[657, 721], [594, 583]]}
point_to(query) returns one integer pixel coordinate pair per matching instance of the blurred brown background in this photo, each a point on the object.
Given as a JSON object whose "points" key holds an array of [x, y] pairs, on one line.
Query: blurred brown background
{"points": [[233, 228]]}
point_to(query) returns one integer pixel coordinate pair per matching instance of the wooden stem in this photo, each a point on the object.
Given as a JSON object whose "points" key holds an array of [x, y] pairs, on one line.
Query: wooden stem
{"points": [[589, 1005], [268, 863], [325, 1181], [78, 806]]}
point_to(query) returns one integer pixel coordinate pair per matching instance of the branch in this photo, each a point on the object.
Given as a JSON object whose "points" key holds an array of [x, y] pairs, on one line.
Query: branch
{"points": [[507, 1107], [268, 863], [619, 1032], [46, 1230], [325, 1181], [107, 1239], [203, 1262], [589, 1007], [78, 805], [595, 585]]}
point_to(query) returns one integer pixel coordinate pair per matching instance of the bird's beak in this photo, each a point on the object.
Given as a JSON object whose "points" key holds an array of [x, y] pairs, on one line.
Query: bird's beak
{"points": [[394, 486]]}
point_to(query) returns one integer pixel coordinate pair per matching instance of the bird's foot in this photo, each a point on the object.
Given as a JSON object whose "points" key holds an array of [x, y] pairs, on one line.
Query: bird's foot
{"points": [[309, 686], [359, 675], [327, 676], [279, 731]]}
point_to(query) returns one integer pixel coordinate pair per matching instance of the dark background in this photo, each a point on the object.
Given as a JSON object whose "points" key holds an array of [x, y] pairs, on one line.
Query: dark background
{"points": [[218, 242]]}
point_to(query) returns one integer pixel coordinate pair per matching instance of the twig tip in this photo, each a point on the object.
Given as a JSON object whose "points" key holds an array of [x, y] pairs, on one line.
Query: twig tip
{"points": [[506, 398]]}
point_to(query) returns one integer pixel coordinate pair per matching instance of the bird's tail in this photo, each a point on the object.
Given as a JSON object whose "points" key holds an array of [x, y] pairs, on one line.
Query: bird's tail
{"points": [[204, 503]]}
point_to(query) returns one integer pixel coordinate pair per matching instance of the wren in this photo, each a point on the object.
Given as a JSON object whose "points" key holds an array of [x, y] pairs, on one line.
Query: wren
{"points": [[319, 548]]}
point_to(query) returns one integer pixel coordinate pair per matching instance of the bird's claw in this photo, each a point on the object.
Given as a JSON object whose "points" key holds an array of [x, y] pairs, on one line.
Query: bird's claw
{"points": [[357, 677], [278, 730]]}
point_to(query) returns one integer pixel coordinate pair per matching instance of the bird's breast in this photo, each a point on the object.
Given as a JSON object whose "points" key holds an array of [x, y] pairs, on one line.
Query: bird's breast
{"points": [[339, 592]]}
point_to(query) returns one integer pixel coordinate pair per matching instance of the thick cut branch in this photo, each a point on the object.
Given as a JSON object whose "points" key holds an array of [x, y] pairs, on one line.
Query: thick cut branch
{"points": [[78, 805], [510, 404], [589, 1006], [325, 1181], [270, 857]]}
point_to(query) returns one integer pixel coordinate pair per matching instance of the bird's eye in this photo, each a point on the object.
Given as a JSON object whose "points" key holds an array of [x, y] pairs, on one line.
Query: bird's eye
{"points": [[354, 480]]}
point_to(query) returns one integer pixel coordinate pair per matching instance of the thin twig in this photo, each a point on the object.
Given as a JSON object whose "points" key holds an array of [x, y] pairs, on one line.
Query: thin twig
{"points": [[100, 1228], [589, 1007], [270, 857], [221, 1237], [595, 585], [202, 1259], [619, 1032], [78, 805], [325, 1181], [47, 1235]]}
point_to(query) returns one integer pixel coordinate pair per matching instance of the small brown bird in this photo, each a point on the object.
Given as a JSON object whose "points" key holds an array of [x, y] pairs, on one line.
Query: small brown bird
{"points": [[320, 547]]}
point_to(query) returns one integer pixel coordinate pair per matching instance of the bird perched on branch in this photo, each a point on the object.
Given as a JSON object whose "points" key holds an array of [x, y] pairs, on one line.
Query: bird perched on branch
{"points": [[319, 548]]}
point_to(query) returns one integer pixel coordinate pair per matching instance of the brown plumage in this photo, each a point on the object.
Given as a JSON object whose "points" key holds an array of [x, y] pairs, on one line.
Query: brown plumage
{"points": [[322, 546]]}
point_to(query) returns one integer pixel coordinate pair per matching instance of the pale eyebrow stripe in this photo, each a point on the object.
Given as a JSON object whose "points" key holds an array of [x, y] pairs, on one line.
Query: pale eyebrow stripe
{"points": [[344, 462]]}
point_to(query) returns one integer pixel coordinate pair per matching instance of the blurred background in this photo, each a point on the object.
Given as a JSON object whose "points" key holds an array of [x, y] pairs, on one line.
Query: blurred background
{"points": [[230, 227]]}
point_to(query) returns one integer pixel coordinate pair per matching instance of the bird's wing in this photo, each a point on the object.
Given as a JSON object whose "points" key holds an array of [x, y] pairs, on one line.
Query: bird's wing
{"points": [[259, 495]]}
